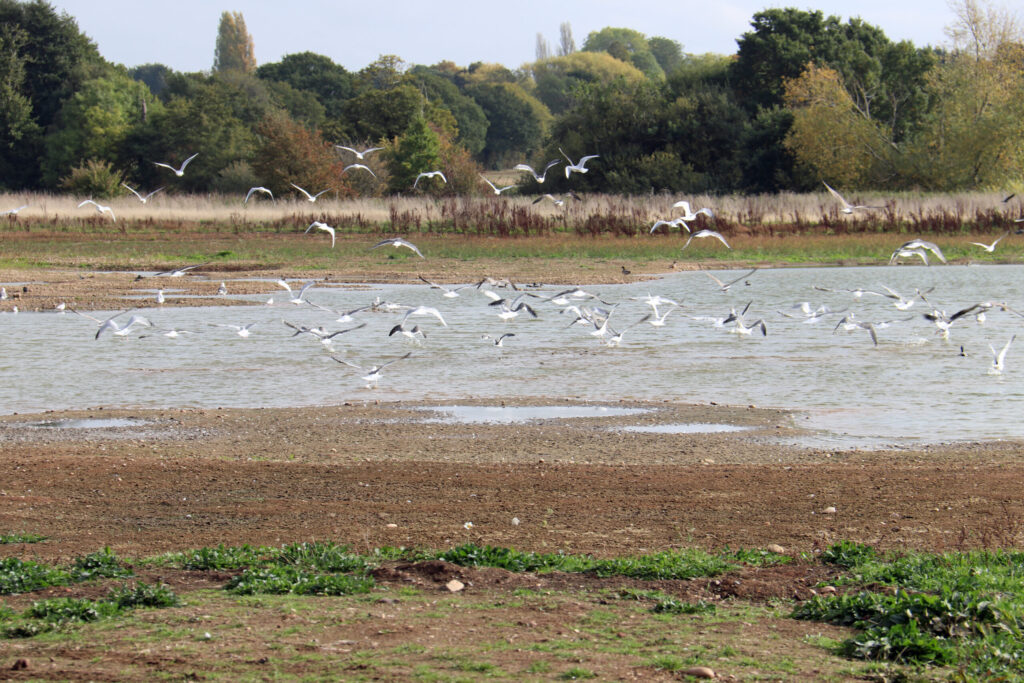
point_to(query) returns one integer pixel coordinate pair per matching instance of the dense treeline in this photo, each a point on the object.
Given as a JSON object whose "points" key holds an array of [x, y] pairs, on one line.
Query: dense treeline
{"points": [[806, 97]]}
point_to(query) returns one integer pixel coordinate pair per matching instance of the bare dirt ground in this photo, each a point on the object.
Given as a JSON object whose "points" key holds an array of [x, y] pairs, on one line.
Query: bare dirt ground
{"points": [[371, 475]]}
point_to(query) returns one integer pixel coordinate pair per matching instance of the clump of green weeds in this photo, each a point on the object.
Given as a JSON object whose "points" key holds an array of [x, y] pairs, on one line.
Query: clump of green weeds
{"points": [[21, 538], [292, 580], [22, 576], [963, 610], [103, 564]]}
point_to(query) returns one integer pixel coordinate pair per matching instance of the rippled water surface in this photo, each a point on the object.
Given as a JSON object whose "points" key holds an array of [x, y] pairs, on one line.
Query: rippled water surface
{"points": [[913, 387]]}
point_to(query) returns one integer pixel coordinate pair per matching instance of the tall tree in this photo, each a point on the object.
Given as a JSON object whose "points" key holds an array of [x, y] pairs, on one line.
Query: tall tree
{"points": [[543, 50], [19, 133], [417, 151], [566, 44], [234, 50]]}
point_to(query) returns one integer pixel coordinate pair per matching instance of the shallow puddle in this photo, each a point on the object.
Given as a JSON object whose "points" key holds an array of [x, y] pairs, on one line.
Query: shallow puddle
{"points": [[91, 423], [523, 414], [686, 428]]}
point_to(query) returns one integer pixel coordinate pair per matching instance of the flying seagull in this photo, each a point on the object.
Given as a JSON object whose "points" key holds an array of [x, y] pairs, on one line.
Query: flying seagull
{"points": [[707, 233], [918, 245], [254, 190], [580, 166], [398, 242], [1000, 356], [372, 376], [429, 174], [359, 155], [13, 212], [322, 226], [848, 208], [310, 197], [539, 177], [497, 190], [362, 166], [724, 286], [990, 247], [689, 215], [557, 201], [100, 208], [142, 198], [178, 171], [674, 223]]}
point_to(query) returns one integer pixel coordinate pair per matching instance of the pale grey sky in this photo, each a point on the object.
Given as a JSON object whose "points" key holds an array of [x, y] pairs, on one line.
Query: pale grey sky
{"points": [[182, 34]]}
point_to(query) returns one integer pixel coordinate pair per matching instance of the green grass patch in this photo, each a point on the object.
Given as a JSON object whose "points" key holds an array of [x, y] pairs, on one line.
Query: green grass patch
{"points": [[22, 576], [292, 580], [21, 538], [963, 610], [100, 565]]}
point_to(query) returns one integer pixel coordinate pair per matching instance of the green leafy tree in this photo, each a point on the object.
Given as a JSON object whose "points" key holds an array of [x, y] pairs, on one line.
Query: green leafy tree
{"points": [[382, 114], [19, 133], [667, 52], [310, 72], [626, 45], [416, 151], [49, 58], [234, 50], [469, 117], [153, 75], [517, 121], [559, 79], [94, 122]]}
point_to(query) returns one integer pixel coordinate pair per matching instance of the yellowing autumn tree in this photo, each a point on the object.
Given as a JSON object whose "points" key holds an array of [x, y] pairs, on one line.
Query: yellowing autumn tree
{"points": [[234, 50], [830, 136]]}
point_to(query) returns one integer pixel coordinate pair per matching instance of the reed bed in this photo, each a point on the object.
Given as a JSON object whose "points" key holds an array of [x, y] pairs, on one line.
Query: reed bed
{"points": [[518, 216]]}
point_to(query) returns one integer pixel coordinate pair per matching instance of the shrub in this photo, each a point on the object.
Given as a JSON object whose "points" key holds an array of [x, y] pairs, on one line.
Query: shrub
{"points": [[95, 178]]}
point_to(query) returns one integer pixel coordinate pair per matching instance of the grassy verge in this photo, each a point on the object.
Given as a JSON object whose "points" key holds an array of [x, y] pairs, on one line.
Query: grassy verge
{"points": [[952, 615]]}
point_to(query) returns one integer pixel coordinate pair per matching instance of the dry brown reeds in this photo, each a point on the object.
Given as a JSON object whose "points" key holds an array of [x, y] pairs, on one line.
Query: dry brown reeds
{"points": [[511, 216]]}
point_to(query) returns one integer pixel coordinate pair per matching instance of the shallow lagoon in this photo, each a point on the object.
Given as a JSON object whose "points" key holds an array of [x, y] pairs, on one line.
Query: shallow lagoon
{"points": [[913, 388]]}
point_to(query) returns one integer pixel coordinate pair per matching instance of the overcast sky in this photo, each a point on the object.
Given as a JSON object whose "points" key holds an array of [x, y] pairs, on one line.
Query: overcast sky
{"points": [[182, 34]]}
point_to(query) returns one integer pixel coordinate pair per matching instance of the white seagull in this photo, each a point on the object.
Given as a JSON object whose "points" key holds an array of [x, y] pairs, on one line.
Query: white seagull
{"points": [[322, 226], [999, 357], [674, 223], [918, 245], [302, 292], [310, 197], [359, 155], [99, 208], [142, 198], [429, 174], [558, 201], [260, 188], [13, 212], [362, 166], [449, 293], [372, 376], [848, 208], [724, 286], [706, 233], [241, 330], [579, 167], [424, 310], [990, 247], [689, 215], [398, 242], [178, 171], [539, 177], [497, 190]]}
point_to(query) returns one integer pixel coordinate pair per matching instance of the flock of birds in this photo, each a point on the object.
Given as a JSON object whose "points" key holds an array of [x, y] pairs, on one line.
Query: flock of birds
{"points": [[575, 308]]}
